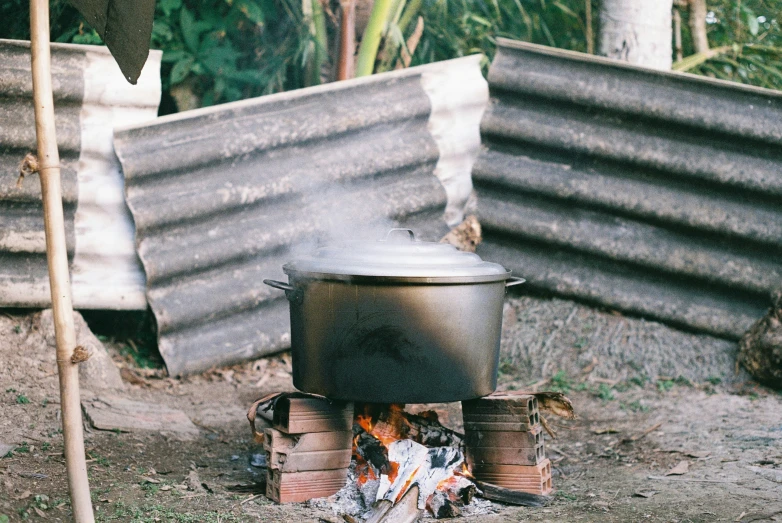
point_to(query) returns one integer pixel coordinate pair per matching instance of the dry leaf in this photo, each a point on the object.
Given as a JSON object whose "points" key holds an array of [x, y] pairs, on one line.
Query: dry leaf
{"points": [[681, 468], [24, 495]]}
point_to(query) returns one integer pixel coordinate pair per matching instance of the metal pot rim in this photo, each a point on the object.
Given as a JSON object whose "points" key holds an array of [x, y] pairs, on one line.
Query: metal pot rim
{"points": [[382, 279]]}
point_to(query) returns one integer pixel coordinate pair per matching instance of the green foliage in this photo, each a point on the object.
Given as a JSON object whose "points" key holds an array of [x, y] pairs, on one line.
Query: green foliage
{"points": [[221, 51], [21, 399], [605, 392], [635, 406], [561, 382], [218, 51], [749, 37], [455, 28]]}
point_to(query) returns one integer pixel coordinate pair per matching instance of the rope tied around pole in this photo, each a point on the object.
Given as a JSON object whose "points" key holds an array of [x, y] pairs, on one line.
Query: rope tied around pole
{"points": [[29, 166]]}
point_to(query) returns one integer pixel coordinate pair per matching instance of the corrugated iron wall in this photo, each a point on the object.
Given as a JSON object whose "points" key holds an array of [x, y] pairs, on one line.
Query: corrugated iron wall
{"points": [[223, 197], [91, 97], [658, 194]]}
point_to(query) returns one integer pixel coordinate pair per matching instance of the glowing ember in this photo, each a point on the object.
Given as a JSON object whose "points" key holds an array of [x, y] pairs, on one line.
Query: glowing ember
{"points": [[385, 455]]}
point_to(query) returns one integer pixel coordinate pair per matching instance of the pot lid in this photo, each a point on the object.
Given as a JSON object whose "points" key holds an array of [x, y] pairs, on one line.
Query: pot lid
{"points": [[399, 255]]}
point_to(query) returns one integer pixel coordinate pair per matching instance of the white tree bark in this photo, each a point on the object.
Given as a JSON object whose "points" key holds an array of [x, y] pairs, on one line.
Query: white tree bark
{"points": [[637, 31]]}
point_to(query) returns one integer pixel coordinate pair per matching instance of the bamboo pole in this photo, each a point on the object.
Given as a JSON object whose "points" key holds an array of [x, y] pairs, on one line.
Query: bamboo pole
{"points": [[57, 258], [347, 40]]}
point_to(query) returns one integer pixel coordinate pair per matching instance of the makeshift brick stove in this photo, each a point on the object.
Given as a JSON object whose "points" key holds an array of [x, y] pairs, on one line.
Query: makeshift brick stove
{"points": [[374, 326], [395, 464]]}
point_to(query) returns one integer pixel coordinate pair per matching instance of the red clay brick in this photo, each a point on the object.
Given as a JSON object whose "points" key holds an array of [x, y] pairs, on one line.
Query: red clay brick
{"points": [[533, 479], [298, 415], [505, 456], [515, 439], [291, 487]]}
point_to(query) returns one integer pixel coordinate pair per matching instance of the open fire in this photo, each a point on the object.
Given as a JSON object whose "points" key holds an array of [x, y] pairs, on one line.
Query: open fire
{"points": [[380, 463], [391, 453]]}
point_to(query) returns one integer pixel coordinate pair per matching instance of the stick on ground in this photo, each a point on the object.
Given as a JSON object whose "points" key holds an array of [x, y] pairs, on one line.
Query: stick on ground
{"points": [[512, 497]]}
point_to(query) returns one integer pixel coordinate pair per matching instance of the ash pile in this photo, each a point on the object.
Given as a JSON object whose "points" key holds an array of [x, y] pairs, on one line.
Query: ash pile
{"points": [[377, 463]]}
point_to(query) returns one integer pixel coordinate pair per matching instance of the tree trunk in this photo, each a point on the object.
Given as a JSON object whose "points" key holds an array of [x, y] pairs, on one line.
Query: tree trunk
{"points": [[637, 31], [698, 25]]}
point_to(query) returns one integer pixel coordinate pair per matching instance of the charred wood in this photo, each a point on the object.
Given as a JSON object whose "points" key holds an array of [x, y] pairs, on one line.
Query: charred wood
{"points": [[512, 497], [373, 451]]}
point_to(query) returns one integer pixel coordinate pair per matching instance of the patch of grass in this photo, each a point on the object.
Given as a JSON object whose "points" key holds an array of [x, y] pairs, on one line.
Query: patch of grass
{"points": [[581, 343], [639, 381], [100, 460], [4, 518], [714, 380], [155, 513], [635, 406], [41, 501], [565, 495], [46, 446], [21, 399], [506, 367], [561, 382], [681, 380], [10, 389], [18, 329], [604, 392], [665, 385], [24, 448]]}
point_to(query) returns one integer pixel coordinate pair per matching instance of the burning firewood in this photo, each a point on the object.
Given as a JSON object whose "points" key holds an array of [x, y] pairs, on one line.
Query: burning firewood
{"points": [[373, 452], [390, 422]]}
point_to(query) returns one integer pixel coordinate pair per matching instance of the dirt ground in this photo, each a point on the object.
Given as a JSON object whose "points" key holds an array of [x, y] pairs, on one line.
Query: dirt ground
{"points": [[609, 465]]}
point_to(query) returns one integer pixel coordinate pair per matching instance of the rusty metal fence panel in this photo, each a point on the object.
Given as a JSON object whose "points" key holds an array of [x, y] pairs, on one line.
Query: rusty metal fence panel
{"points": [[654, 193], [91, 96], [222, 197]]}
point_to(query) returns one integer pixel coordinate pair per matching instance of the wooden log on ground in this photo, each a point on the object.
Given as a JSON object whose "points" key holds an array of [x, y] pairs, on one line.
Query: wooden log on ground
{"points": [[512, 497]]}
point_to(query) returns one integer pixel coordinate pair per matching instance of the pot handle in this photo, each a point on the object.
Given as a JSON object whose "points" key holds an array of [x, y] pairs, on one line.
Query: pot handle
{"points": [[510, 282], [409, 232], [280, 285]]}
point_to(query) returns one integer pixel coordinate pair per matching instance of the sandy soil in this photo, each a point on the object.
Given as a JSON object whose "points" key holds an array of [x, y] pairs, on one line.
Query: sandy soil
{"points": [[731, 439]]}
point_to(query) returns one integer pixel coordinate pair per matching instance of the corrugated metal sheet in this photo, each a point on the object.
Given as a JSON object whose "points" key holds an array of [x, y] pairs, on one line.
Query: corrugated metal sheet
{"points": [[91, 97], [654, 193], [222, 197]]}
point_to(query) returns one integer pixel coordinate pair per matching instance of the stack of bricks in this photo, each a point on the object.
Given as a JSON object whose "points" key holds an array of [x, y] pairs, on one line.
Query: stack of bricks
{"points": [[504, 443], [309, 449]]}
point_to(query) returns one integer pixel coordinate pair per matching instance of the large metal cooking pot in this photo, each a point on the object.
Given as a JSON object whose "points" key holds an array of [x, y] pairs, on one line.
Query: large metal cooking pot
{"points": [[395, 321]]}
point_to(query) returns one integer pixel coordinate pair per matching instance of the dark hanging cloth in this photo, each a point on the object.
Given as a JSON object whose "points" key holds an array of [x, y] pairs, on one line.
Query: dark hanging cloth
{"points": [[126, 28]]}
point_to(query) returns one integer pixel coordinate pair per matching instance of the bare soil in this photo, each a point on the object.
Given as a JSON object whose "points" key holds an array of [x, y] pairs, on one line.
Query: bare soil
{"points": [[608, 465]]}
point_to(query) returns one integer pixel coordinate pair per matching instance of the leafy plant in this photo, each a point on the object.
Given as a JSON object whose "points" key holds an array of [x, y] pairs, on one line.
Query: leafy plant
{"points": [[746, 43], [561, 382], [21, 399]]}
